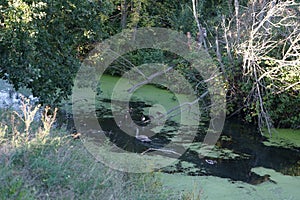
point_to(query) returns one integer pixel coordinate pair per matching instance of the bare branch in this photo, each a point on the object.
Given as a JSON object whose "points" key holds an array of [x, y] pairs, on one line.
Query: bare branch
{"points": [[162, 150], [200, 28], [189, 104], [271, 50], [148, 79]]}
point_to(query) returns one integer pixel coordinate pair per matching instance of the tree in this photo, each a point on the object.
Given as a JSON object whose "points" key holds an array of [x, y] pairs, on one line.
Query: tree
{"points": [[42, 43], [271, 53], [256, 44]]}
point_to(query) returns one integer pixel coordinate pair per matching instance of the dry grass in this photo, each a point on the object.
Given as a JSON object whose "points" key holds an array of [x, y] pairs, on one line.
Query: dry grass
{"points": [[39, 163]]}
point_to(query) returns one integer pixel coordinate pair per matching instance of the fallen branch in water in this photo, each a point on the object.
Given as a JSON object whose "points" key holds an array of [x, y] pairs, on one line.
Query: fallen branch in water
{"points": [[162, 150], [187, 103], [176, 108], [148, 79]]}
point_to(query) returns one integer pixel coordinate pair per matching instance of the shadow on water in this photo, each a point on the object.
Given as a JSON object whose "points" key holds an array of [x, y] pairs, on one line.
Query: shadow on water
{"points": [[243, 139], [237, 138], [115, 130]]}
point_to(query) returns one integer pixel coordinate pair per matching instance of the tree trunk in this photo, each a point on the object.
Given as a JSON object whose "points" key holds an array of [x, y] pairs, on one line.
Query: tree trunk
{"points": [[124, 6]]}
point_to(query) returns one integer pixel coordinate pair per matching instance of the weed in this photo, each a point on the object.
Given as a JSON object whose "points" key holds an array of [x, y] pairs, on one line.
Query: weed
{"points": [[28, 114], [45, 163]]}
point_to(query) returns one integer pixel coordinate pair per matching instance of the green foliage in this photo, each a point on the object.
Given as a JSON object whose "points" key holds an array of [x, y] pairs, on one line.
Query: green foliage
{"points": [[145, 13], [13, 186], [183, 20], [41, 43], [283, 109]]}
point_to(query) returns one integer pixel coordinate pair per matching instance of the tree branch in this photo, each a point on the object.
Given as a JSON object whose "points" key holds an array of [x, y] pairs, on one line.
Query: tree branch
{"points": [[148, 79]]}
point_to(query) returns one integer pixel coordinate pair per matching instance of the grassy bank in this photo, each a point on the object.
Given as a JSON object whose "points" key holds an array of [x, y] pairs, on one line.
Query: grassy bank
{"points": [[37, 162]]}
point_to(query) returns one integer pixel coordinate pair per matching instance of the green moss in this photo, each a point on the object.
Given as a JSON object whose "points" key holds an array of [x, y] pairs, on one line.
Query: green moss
{"points": [[284, 138]]}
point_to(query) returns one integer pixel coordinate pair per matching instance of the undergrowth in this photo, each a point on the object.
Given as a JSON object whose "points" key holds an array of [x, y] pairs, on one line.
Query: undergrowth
{"points": [[37, 162]]}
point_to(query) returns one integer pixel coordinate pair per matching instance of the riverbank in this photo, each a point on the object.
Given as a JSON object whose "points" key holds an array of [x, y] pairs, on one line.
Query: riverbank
{"points": [[37, 163], [56, 166]]}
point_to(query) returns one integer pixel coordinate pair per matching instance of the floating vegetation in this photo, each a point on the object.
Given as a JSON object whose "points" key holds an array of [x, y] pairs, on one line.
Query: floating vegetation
{"points": [[287, 138], [216, 152]]}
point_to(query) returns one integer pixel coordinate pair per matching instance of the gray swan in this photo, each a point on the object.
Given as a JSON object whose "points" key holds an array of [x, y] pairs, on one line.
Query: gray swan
{"points": [[142, 138]]}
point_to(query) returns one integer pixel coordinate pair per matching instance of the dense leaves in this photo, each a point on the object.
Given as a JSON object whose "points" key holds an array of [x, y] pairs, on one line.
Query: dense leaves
{"points": [[42, 41], [255, 44]]}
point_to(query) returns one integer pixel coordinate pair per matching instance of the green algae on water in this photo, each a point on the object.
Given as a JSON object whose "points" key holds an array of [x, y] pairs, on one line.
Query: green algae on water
{"points": [[287, 138]]}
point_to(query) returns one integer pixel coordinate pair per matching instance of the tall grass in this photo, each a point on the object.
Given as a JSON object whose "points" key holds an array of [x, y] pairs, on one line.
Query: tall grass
{"points": [[37, 162]]}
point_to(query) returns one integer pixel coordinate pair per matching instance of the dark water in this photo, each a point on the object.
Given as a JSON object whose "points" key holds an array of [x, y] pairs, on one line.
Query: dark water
{"points": [[129, 142], [246, 140], [242, 139]]}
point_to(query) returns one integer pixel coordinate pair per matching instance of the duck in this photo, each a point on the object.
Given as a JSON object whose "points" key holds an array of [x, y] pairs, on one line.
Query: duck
{"points": [[142, 138]]}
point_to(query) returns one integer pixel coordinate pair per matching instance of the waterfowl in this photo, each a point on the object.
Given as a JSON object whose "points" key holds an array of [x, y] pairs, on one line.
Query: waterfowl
{"points": [[255, 179], [145, 120], [211, 162], [142, 138]]}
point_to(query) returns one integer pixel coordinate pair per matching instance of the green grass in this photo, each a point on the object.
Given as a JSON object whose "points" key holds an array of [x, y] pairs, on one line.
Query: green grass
{"points": [[62, 169], [55, 166]]}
